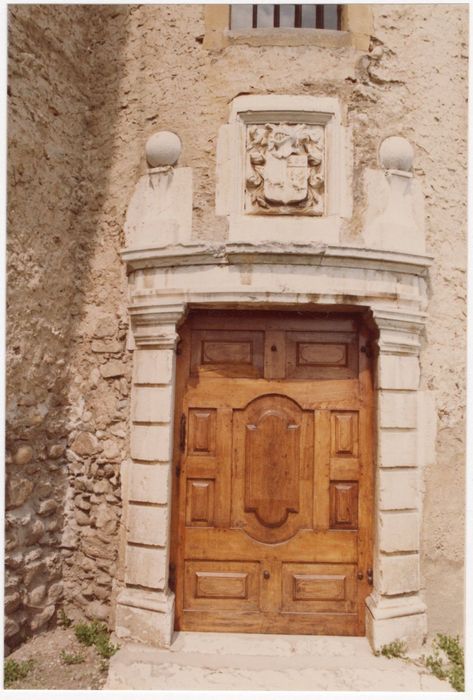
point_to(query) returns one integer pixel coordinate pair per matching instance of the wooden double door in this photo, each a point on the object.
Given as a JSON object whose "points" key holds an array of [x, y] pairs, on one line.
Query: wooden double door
{"points": [[272, 499]]}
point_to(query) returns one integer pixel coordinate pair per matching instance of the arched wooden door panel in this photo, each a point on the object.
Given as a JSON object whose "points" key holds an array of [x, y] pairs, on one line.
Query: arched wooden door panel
{"points": [[272, 498]]}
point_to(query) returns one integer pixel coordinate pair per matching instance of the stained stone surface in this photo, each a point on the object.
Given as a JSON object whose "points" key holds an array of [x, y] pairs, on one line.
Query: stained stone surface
{"points": [[206, 661]]}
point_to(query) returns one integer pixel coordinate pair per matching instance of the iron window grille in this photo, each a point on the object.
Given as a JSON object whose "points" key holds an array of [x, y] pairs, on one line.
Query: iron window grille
{"points": [[285, 16]]}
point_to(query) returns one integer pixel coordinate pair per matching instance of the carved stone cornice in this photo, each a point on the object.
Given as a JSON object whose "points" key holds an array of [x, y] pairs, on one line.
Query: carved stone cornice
{"points": [[393, 285], [170, 256], [319, 254], [400, 332], [154, 324]]}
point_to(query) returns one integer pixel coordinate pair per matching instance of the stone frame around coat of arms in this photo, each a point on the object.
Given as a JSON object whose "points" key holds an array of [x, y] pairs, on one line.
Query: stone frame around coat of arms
{"points": [[281, 169]]}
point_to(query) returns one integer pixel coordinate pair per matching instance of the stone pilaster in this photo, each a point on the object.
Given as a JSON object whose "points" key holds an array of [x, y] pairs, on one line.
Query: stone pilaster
{"points": [[145, 607], [395, 609]]}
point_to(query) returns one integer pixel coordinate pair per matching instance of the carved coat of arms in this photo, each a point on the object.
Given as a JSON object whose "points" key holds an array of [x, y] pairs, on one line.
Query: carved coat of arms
{"points": [[285, 169]]}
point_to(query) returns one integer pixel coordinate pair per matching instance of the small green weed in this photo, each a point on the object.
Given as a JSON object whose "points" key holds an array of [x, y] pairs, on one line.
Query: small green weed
{"points": [[15, 670], [88, 632], [64, 620], [453, 652], [104, 646], [395, 650], [96, 634], [71, 659]]}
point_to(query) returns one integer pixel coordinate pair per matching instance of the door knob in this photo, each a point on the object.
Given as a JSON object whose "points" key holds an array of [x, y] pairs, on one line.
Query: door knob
{"points": [[359, 576], [266, 574]]}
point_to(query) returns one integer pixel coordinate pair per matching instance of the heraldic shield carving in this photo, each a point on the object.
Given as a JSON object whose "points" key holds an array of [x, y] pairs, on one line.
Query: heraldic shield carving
{"points": [[285, 169]]}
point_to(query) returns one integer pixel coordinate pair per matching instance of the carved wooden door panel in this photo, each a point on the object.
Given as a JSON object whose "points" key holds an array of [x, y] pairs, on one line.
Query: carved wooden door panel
{"points": [[272, 498]]}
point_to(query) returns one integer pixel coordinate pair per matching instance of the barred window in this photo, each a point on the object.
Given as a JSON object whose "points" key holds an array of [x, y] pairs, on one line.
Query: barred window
{"points": [[285, 16]]}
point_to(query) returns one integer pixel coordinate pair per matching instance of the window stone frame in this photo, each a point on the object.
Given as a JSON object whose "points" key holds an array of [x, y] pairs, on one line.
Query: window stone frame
{"points": [[356, 30]]}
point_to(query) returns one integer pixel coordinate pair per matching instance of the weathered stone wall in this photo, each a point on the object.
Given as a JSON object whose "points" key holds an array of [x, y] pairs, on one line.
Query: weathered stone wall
{"points": [[67, 297], [61, 141]]}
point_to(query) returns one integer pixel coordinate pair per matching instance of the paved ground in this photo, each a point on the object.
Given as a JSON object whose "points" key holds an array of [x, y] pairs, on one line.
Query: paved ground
{"points": [[207, 661]]}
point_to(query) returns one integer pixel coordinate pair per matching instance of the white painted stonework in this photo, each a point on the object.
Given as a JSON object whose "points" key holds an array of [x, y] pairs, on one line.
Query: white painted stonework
{"points": [[160, 211], [312, 125], [170, 274], [395, 213]]}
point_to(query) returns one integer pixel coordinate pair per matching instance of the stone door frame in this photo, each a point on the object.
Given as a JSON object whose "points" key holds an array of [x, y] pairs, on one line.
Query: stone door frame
{"points": [[395, 609]]}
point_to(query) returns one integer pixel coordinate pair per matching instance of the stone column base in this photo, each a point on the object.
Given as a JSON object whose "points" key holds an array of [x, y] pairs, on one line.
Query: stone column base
{"points": [[396, 618], [145, 617]]}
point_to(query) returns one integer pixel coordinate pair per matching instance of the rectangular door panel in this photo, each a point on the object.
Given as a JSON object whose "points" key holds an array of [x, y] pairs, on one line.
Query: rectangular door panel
{"points": [[227, 353], [344, 433], [319, 588], [329, 394], [223, 585], [340, 624], [314, 355], [344, 505], [200, 502], [306, 546], [273, 320], [202, 424]]}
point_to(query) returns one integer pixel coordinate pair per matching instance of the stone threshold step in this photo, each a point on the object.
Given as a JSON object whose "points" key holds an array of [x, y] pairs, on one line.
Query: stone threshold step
{"points": [[208, 661]]}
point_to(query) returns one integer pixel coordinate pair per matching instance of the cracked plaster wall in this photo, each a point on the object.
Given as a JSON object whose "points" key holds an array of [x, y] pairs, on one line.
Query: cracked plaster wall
{"points": [[134, 70]]}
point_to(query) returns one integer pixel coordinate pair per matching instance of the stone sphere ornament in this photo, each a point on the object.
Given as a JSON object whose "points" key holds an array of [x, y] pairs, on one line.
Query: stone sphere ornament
{"points": [[396, 153], [163, 148]]}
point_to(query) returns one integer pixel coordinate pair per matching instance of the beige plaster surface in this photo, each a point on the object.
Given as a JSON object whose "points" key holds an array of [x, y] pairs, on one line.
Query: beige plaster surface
{"points": [[206, 661]]}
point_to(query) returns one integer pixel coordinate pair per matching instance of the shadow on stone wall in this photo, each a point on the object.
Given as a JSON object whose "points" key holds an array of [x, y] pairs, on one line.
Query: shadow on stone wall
{"points": [[63, 99]]}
